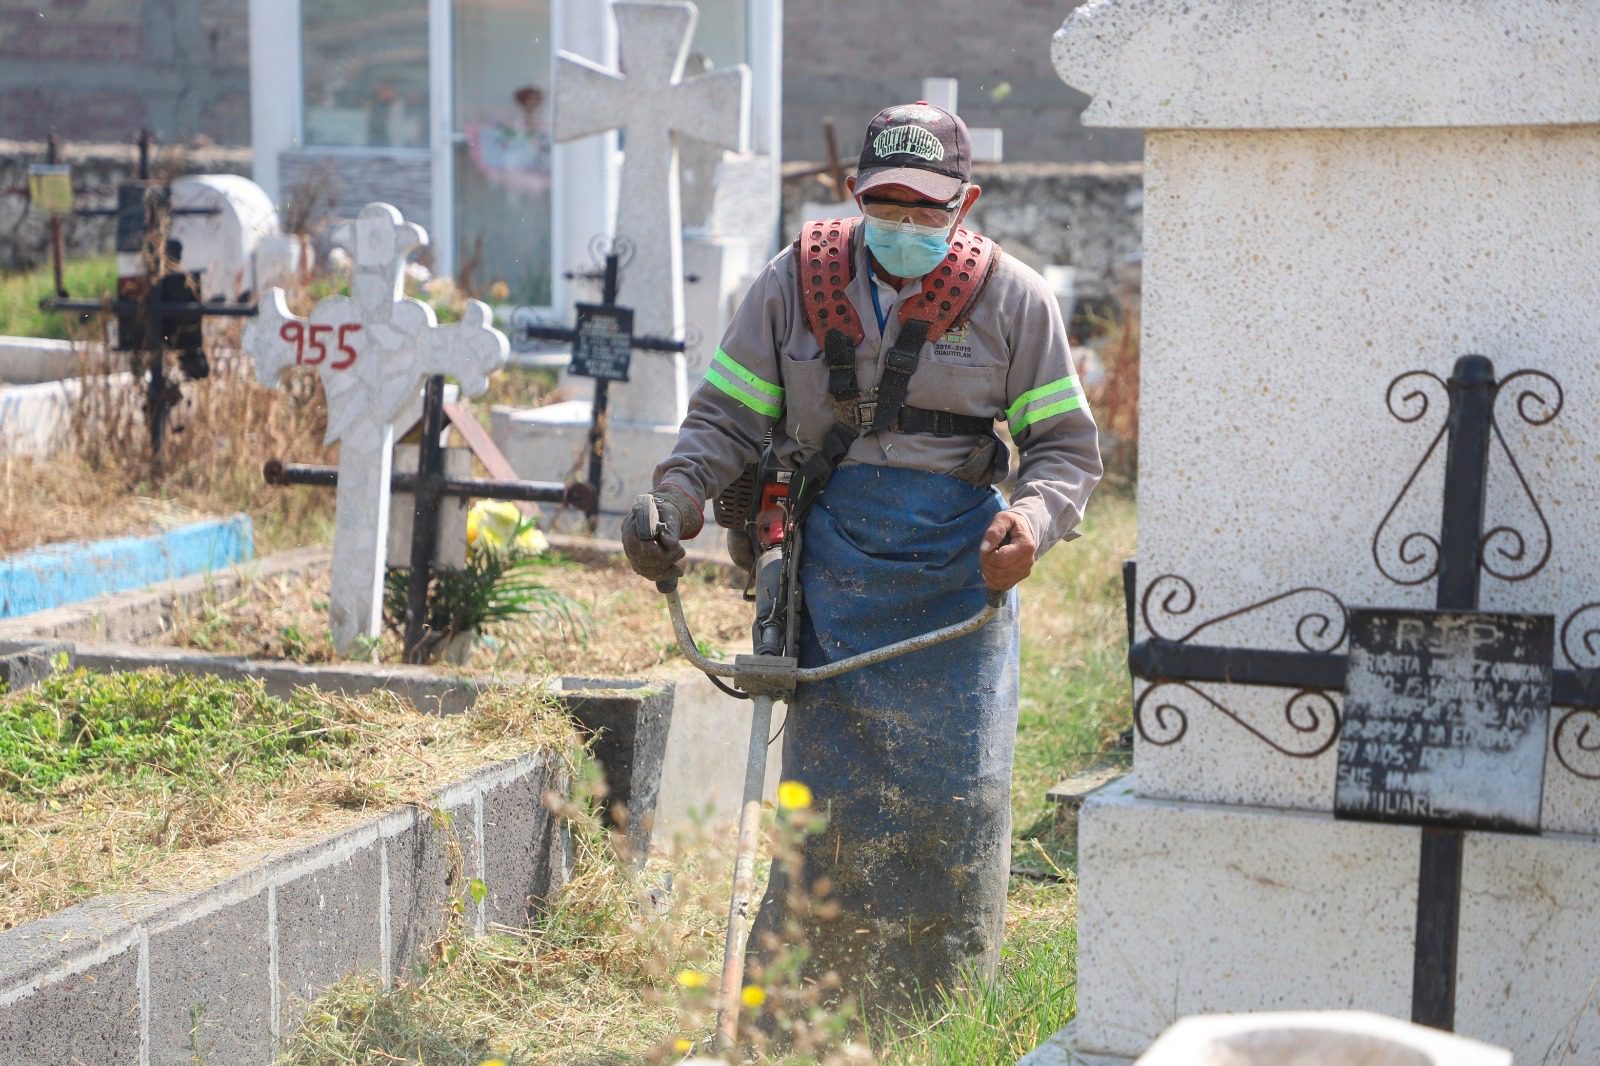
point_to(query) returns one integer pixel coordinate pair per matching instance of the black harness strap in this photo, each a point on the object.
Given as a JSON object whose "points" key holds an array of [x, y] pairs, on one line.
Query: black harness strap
{"points": [[898, 366], [841, 356]]}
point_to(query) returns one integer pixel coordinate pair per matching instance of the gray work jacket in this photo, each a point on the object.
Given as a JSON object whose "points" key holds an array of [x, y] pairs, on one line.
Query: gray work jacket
{"points": [[1010, 362]]}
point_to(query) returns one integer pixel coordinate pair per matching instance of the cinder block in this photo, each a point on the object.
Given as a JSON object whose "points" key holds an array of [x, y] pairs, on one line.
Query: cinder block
{"points": [[629, 722], [420, 864], [328, 928], [527, 851], [102, 1003], [210, 988]]}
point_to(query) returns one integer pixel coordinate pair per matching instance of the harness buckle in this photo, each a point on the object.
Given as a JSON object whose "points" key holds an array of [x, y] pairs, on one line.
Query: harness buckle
{"points": [[866, 411], [902, 361]]}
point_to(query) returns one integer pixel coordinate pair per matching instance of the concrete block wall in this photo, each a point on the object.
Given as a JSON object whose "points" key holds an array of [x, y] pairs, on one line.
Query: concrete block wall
{"points": [[100, 69], [223, 974], [98, 167], [849, 58], [1089, 216]]}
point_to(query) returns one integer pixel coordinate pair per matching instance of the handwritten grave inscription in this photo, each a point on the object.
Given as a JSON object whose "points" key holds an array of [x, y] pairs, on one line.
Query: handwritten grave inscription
{"points": [[1446, 718]]}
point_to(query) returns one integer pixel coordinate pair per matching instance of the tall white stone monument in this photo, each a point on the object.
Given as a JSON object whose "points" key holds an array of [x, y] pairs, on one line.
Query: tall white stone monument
{"points": [[372, 350], [1337, 195], [653, 105]]}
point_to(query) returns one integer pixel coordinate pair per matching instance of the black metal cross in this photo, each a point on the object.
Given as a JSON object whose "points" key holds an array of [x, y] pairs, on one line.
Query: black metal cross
{"points": [[1315, 672], [610, 285], [429, 488]]}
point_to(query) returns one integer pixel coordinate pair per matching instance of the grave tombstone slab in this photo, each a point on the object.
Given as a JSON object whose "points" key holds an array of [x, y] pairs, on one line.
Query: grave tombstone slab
{"points": [[1339, 201], [655, 107], [371, 350]]}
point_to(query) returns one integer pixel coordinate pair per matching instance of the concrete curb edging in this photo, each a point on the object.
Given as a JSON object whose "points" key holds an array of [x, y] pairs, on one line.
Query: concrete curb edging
{"points": [[222, 974], [58, 574]]}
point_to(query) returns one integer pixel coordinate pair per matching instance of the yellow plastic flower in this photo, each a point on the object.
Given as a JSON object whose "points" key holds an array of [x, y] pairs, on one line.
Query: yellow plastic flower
{"points": [[682, 1046], [494, 1062], [692, 979], [753, 996], [794, 796], [499, 292], [492, 523]]}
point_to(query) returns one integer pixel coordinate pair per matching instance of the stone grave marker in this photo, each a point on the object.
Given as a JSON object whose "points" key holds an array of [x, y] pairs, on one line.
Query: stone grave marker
{"points": [[371, 350], [653, 105], [1334, 198]]}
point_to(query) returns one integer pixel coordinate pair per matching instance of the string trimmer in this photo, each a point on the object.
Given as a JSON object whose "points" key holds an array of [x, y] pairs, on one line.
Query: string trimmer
{"points": [[767, 675]]}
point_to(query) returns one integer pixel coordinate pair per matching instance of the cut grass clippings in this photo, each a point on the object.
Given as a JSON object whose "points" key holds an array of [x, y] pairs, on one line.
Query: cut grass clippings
{"points": [[589, 985], [150, 781]]}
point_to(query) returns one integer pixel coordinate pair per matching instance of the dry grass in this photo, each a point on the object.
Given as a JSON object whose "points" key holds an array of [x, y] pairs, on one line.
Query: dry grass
{"points": [[224, 429], [617, 626], [107, 833]]}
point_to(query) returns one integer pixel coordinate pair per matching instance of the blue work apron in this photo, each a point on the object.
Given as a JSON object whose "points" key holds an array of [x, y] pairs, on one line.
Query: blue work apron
{"points": [[910, 760]]}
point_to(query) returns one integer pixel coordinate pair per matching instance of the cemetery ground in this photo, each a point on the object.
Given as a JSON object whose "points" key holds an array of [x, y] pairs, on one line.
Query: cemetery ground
{"points": [[602, 980], [599, 972]]}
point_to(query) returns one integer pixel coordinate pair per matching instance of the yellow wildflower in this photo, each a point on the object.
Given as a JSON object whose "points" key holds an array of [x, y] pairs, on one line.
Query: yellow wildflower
{"points": [[692, 979], [794, 796], [682, 1046], [753, 996]]}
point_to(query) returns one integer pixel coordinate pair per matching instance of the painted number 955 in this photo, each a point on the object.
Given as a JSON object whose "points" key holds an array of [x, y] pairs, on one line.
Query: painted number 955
{"points": [[315, 336]]}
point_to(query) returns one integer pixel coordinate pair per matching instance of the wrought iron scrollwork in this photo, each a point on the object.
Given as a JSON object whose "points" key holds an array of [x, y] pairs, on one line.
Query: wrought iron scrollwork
{"points": [[1510, 558], [602, 245], [1318, 629], [1576, 741], [1311, 714], [1418, 550], [1504, 551]]}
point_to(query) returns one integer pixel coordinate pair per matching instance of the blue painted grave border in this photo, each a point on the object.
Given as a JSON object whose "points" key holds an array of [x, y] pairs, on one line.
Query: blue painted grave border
{"points": [[59, 574]]}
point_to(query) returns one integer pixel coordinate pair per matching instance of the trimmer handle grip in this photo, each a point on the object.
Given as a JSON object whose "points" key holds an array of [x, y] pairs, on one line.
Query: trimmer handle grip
{"points": [[996, 597]]}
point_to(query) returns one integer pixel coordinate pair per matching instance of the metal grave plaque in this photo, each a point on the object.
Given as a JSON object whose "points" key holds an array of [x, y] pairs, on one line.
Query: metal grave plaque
{"points": [[603, 343], [1446, 718]]}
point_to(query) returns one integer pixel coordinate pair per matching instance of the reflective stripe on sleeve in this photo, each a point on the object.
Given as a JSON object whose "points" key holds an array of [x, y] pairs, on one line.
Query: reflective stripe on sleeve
{"points": [[1036, 411], [747, 388]]}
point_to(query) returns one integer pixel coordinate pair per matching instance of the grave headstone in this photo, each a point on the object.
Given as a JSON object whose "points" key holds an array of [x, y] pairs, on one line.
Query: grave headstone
{"points": [[654, 106], [1339, 201], [371, 350], [223, 246]]}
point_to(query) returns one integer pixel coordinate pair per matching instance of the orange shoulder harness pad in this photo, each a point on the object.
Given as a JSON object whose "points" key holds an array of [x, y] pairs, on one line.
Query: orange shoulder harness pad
{"points": [[825, 266]]}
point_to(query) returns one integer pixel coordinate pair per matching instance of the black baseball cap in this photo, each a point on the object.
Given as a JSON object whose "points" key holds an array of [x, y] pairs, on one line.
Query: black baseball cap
{"points": [[923, 147]]}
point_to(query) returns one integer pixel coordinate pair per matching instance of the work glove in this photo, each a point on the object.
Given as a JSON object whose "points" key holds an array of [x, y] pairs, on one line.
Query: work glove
{"points": [[652, 530]]}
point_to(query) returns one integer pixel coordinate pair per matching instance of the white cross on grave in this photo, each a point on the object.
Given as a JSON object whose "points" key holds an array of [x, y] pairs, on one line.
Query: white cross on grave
{"points": [[652, 104], [988, 144], [372, 350]]}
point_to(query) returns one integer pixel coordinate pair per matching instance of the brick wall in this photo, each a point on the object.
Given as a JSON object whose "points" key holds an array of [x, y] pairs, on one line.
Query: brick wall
{"points": [[97, 70], [849, 58]]}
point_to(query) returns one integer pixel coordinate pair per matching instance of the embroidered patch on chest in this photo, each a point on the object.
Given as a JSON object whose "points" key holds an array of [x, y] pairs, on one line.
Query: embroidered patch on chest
{"points": [[955, 344]]}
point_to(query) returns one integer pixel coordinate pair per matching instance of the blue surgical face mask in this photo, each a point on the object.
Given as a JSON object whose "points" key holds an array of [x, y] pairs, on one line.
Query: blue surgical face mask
{"points": [[906, 249]]}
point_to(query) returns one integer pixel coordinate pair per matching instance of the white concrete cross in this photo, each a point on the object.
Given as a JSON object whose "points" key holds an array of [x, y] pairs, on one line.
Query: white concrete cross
{"points": [[652, 104], [371, 349], [988, 143]]}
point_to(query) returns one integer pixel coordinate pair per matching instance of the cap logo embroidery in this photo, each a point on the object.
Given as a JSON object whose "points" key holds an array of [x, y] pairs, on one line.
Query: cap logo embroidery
{"points": [[908, 140], [917, 113]]}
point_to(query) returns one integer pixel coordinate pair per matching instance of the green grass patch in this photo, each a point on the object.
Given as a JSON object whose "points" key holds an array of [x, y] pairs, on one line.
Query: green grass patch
{"points": [[135, 728], [21, 292]]}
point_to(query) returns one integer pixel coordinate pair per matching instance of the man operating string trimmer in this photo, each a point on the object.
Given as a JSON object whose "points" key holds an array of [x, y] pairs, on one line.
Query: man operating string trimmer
{"points": [[860, 381]]}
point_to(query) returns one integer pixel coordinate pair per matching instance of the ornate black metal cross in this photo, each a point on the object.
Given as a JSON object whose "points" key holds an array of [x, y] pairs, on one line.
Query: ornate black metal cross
{"points": [[601, 342], [1460, 554]]}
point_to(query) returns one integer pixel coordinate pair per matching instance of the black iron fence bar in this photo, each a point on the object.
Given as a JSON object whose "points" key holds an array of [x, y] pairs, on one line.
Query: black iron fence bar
{"points": [[1167, 660], [558, 333], [126, 306], [577, 495]]}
